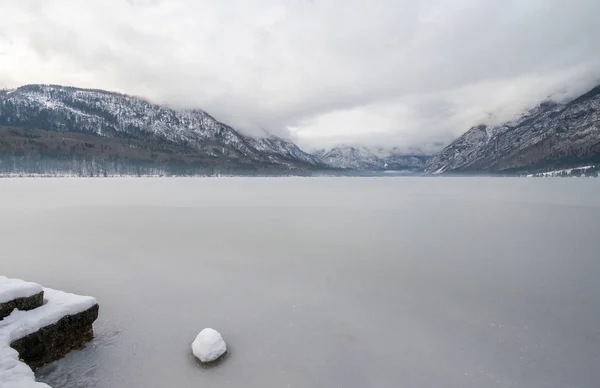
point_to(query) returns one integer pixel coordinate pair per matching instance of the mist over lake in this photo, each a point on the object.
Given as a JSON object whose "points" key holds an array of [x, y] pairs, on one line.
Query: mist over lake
{"points": [[318, 282]]}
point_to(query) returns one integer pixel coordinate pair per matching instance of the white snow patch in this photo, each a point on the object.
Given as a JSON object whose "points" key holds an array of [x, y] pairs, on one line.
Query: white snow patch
{"points": [[208, 345], [58, 304], [11, 289], [440, 170], [558, 172]]}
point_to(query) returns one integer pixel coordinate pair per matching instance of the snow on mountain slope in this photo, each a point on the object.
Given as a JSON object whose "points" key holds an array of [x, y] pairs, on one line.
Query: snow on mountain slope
{"points": [[362, 158], [107, 114], [283, 148], [550, 135]]}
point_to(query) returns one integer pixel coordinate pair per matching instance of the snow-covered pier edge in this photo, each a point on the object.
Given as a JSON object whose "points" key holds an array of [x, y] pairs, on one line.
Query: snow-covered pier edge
{"points": [[43, 326]]}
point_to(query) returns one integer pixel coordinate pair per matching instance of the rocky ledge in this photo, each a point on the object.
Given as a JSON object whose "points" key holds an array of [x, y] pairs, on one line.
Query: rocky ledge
{"points": [[54, 341], [23, 304], [38, 331], [20, 295]]}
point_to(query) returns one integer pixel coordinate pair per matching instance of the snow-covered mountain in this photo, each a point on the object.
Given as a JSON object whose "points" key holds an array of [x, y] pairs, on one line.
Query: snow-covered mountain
{"points": [[365, 159], [550, 136], [145, 126]]}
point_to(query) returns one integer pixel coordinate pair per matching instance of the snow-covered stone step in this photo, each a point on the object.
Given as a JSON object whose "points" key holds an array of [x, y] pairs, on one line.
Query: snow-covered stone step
{"points": [[42, 335], [19, 294]]}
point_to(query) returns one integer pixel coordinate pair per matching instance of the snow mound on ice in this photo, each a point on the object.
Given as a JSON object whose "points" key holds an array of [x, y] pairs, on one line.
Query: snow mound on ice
{"points": [[208, 345]]}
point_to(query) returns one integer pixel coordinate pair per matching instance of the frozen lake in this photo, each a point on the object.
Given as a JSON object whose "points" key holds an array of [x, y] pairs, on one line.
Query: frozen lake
{"points": [[319, 282]]}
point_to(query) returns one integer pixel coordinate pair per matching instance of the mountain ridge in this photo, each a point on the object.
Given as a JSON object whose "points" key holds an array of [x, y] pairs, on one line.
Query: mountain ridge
{"points": [[192, 137], [551, 135]]}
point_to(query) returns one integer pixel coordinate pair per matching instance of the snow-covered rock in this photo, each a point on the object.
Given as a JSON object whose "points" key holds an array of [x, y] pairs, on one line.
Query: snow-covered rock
{"points": [[11, 289], [19, 324], [20, 295], [208, 345]]}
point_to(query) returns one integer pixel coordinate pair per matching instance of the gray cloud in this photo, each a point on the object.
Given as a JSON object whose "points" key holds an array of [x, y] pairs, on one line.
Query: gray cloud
{"points": [[412, 74]]}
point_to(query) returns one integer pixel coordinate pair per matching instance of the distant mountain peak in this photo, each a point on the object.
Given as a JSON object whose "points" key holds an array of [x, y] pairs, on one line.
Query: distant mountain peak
{"points": [[354, 157]]}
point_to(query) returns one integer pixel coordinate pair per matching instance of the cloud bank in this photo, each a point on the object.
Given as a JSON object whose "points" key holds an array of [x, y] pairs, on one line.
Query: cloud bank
{"points": [[412, 74]]}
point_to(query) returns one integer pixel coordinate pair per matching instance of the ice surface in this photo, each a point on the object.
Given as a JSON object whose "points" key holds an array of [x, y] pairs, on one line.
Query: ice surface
{"points": [[395, 281], [11, 289], [14, 373], [208, 345]]}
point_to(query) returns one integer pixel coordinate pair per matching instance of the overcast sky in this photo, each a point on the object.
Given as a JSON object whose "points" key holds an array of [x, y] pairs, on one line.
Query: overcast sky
{"points": [[413, 74]]}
